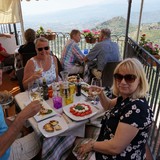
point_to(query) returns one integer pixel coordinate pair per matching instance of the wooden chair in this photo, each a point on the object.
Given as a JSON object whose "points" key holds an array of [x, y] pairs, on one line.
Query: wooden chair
{"points": [[107, 74], [19, 74]]}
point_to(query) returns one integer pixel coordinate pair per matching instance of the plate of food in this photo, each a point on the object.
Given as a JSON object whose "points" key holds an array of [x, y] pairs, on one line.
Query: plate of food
{"points": [[45, 112], [80, 111], [52, 126]]}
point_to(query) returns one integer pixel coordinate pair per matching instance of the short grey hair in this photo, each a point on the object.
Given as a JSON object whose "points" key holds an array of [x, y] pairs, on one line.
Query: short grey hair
{"points": [[40, 39], [106, 32]]}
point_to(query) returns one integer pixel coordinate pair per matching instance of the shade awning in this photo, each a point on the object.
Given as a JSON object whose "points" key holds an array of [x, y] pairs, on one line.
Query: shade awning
{"points": [[9, 11]]}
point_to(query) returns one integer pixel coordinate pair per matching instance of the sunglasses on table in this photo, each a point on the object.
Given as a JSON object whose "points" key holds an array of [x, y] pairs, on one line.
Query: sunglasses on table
{"points": [[129, 78], [41, 49]]}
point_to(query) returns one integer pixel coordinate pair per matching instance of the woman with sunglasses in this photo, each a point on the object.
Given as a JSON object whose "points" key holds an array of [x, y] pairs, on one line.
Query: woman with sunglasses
{"points": [[128, 117], [41, 65]]}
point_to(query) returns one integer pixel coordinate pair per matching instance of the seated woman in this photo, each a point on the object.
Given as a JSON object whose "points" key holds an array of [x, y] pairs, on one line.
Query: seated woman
{"points": [[72, 57], [27, 50], [128, 118], [41, 65]]}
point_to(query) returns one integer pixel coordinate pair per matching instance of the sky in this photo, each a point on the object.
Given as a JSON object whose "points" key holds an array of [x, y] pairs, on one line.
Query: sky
{"points": [[34, 7]]}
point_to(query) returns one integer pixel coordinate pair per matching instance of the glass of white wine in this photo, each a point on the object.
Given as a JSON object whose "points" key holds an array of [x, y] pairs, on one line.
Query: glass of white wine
{"points": [[34, 91], [95, 82]]}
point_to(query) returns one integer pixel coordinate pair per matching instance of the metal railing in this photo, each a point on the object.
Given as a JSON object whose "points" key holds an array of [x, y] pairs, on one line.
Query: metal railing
{"points": [[152, 69]]}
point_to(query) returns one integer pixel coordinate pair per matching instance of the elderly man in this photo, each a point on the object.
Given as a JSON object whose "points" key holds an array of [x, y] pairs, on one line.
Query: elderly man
{"points": [[22, 148], [103, 52]]}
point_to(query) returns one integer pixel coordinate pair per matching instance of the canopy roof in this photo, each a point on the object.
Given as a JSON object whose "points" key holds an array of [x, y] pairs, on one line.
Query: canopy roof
{"points": [[9, 11]]}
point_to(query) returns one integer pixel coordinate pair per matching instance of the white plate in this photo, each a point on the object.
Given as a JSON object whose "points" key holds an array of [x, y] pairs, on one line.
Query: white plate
{"points": [[66, 110], [38, 117], [61, 121]]}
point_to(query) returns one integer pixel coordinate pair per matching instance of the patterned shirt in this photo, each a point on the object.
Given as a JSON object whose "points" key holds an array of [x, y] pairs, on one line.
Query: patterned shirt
{"points": [[103, 52], [49, 75], [71, 54], [133, 112]]}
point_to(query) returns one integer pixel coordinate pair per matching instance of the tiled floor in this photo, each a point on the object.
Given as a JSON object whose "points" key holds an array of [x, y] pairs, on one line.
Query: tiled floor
{"points": [[7, 84]]}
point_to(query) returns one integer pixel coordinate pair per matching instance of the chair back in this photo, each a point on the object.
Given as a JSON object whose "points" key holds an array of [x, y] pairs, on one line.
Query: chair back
{"points": [[107, 74], [19, 74], [27, 56]]}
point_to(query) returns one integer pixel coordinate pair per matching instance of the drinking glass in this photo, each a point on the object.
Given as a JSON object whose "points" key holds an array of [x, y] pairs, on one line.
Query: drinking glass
{"points": [[34, 91], [95, 82], [64, 75]]}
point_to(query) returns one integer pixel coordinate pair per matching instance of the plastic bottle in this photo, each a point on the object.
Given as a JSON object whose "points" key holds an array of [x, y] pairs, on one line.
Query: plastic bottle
{"points": [[45, 90], [78, 86]]}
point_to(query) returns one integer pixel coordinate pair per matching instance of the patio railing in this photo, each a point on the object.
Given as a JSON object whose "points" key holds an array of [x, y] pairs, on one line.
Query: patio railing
{"points": [[152, 69]]}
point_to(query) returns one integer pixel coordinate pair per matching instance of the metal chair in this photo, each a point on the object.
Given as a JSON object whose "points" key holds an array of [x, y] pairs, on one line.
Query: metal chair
{"points": [[107, 74]]}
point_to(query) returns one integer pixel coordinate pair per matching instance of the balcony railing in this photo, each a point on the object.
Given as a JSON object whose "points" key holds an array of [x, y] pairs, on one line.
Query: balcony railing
{"points": [[152, 69]]}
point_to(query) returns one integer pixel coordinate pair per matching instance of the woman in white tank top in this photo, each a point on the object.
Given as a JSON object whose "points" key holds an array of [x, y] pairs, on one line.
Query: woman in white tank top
{"points": [[43, 65]]}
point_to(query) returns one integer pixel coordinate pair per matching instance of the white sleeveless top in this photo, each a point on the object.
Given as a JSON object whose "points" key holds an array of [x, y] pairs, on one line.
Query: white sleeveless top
{"points": [[49, 75]]}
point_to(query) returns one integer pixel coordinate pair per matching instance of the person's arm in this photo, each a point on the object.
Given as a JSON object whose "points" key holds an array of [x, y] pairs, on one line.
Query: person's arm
{"points": [[114, 146], [56, 66], [78, 53], [106, 102], [30, 74], [4, 53], [5, 35], [10, 135]]}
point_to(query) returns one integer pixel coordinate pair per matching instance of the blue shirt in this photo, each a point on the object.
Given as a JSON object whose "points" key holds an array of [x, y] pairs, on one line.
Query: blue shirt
{"points": [[105, 51], [3, 128]]}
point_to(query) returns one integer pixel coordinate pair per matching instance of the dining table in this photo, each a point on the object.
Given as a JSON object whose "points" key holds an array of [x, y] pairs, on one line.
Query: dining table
{"points": [[74, 128]]}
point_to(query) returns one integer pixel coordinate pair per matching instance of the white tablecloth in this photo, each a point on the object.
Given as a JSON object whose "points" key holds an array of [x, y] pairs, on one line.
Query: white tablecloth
{"points": [[74, 128]]}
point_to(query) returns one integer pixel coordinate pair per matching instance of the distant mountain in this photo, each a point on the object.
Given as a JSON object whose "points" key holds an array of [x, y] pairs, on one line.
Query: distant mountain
{"points": [[117, 25], [90, 16]]}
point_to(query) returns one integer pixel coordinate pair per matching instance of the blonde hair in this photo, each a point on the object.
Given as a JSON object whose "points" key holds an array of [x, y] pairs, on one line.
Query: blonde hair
{"points": [[135, 67]]}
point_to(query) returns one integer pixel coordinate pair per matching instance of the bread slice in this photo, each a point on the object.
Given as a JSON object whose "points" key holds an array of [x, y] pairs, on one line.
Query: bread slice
{"points": [[57, 127], [48, 127]]}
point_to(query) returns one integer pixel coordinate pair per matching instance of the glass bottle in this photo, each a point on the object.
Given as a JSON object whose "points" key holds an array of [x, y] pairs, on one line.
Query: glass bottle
{"points": [[45, 90], [78, 86]]}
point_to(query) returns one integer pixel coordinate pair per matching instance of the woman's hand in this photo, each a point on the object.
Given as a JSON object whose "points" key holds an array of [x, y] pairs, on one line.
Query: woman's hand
{"points": [[37, 74], [84, 149]]}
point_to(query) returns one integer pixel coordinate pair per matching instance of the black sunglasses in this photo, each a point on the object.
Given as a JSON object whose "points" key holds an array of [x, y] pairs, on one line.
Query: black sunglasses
{"points": [[129, 78], [45, 48]]}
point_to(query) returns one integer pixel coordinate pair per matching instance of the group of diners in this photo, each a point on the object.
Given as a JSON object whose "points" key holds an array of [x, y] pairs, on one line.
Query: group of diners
{"points": [[127, 117]]}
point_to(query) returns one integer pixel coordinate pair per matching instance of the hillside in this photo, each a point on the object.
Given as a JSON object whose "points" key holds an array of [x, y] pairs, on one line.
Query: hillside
{"points": [[118, 27]]}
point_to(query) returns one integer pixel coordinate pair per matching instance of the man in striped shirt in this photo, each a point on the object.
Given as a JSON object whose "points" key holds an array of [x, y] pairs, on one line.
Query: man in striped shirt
{"points": [[72, 57]]}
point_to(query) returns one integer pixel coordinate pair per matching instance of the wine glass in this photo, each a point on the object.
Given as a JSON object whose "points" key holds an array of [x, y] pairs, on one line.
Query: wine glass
{"points": [[34, 91], [95, 82]]}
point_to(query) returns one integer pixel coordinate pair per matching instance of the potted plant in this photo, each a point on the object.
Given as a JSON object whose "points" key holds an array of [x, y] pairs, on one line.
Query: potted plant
{"points": [[47, 34], [149, 46], [91, 36]]}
